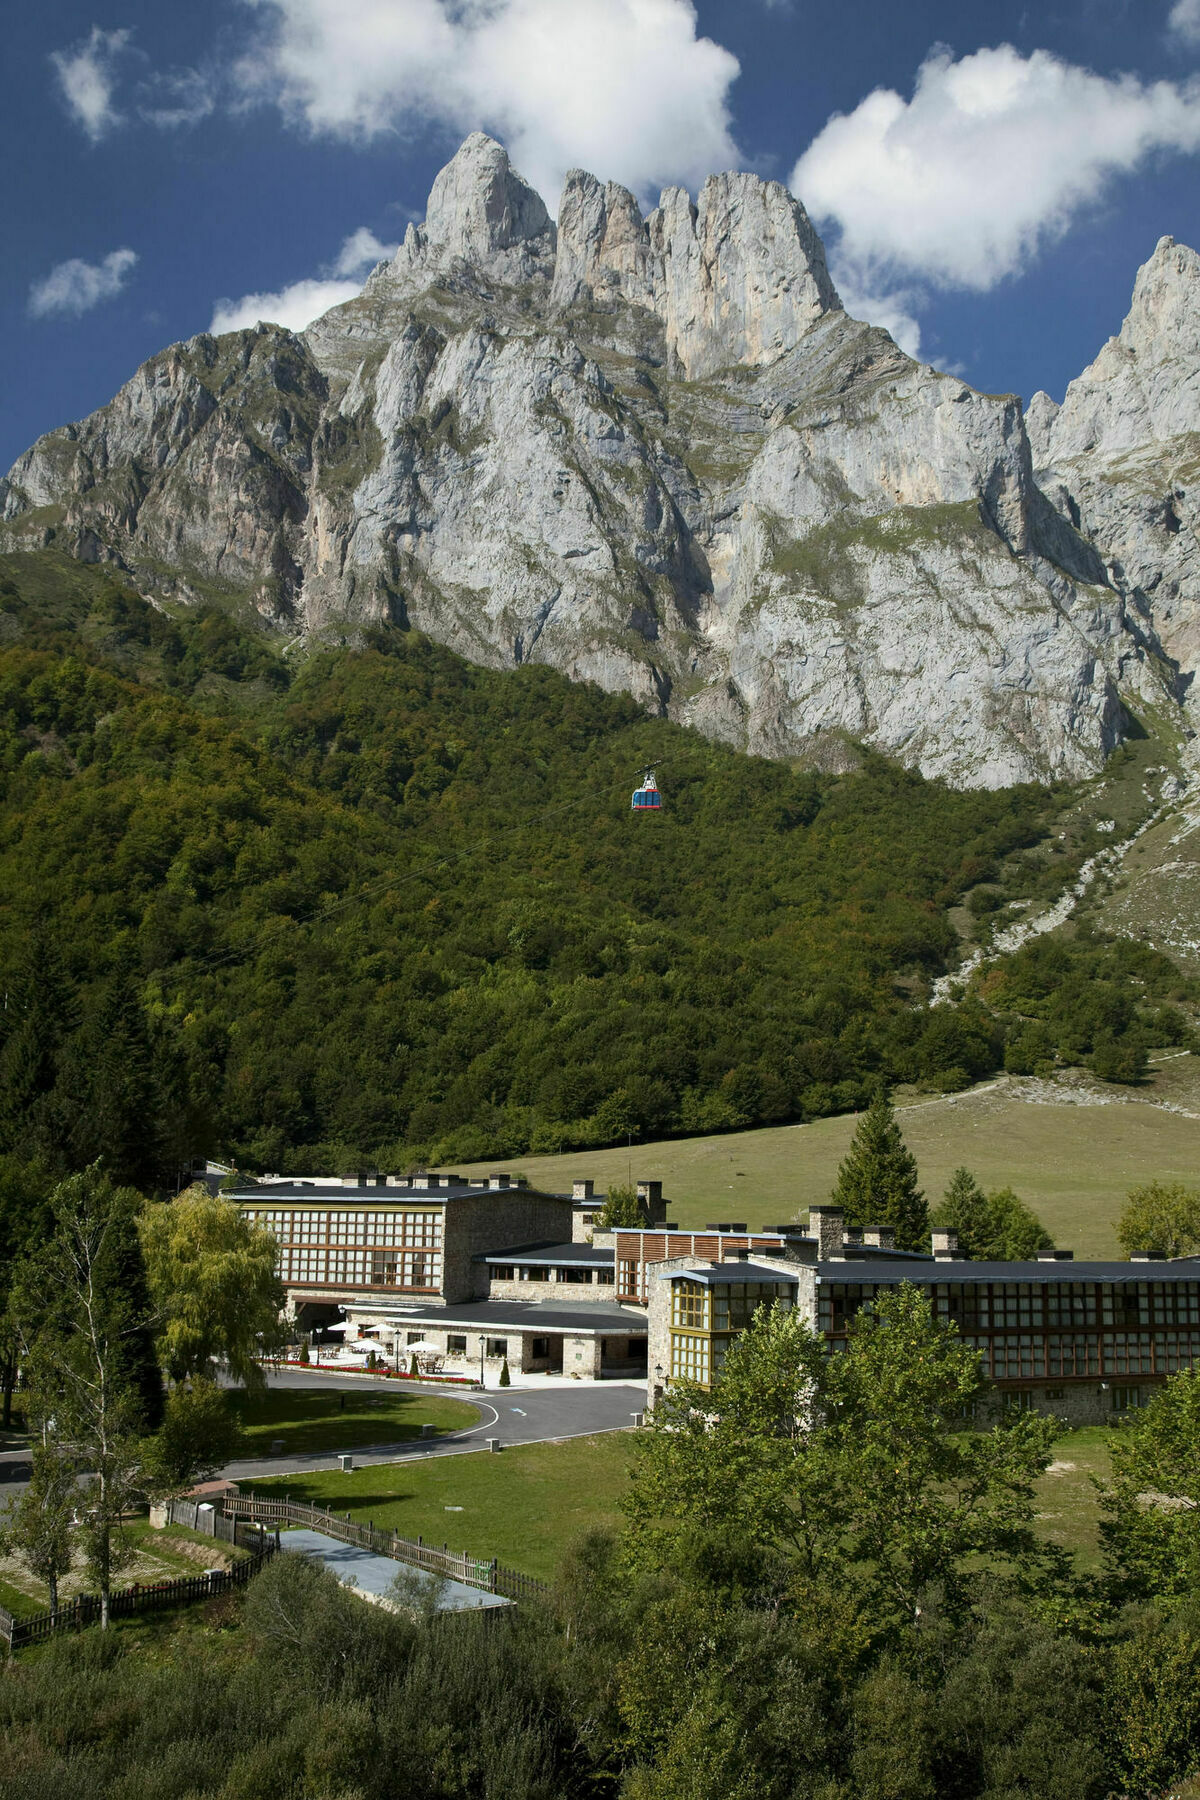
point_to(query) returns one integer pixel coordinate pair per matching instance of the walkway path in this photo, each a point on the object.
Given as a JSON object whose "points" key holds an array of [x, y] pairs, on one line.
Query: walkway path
{"points": [[373, 1575]]}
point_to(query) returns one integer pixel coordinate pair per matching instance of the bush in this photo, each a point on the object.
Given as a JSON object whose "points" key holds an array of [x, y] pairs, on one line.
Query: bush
{"points": [[505, 1377]]}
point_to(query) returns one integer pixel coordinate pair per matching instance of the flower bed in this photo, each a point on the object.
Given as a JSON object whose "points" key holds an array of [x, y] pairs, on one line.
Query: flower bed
{"points": [[320, 1368]]}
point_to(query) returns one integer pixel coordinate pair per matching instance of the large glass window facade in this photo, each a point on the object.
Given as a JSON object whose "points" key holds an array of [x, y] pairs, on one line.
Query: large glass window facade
{"points": [[705, 1320], [328, 1247], [1029, 1331]]}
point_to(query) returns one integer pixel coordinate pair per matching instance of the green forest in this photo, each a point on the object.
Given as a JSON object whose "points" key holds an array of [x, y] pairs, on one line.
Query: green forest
{"points": [[373, 905]]}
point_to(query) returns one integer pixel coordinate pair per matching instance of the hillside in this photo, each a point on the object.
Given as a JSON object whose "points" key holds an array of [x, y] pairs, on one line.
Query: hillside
{"points": [[384, 903]]}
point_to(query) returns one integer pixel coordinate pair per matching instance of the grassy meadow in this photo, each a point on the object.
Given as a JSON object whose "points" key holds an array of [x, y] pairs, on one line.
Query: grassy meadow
{"points": [[529, 1504], [1073, 1163], [524, 1506]]}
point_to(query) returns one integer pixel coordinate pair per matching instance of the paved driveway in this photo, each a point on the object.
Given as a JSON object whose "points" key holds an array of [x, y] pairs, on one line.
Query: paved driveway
{"points": [[512, 1415]]}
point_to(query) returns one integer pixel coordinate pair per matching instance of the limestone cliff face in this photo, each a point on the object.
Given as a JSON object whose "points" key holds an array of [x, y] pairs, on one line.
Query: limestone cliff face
{"points": [[1121, 457], [655, 453]]}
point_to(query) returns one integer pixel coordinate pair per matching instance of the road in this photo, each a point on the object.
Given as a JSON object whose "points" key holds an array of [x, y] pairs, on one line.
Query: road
{"points": [[511, 1415]]}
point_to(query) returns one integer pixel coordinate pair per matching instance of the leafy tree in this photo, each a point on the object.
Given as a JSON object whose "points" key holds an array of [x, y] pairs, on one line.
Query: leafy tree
{"points": [[1151, 1528], [1160, 1218], [198, 1436], [621, 1207], [39, 1527], [920, 1498], [856, 1470], [741, 1458], [992, 1227], [94, 1387], [877, 1180], [1120, 1059], [217, 1295]]}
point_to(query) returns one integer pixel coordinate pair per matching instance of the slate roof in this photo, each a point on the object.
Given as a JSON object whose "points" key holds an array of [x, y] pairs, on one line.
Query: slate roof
{"points": [[544, 1256]]}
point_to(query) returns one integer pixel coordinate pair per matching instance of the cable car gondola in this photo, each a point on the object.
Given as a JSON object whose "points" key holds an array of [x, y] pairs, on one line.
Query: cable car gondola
{"points": [[647, 798]]}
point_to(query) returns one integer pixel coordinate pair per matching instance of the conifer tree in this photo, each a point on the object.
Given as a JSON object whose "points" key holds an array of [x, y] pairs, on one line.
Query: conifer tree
{"points": [[877, 1181], [992, 1227]]}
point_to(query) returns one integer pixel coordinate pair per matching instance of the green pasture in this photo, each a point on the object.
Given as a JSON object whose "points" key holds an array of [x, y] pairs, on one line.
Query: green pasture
{"points": [[1072, 1163], [326, 1418], [525, 1505]]}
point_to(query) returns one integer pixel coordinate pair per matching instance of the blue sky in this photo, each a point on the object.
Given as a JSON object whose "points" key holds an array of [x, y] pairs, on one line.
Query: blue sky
{"points": [[987, 178]]}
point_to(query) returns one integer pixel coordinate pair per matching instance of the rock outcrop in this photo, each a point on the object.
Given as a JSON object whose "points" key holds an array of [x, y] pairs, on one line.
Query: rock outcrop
{"points": [[1121, 457], [655, 453]]}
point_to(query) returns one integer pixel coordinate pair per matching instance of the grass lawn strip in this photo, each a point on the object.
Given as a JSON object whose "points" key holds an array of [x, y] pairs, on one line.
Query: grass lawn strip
{"points": [[319, 1419], [1068, 1506], [527, 1505], [524, 1506]]}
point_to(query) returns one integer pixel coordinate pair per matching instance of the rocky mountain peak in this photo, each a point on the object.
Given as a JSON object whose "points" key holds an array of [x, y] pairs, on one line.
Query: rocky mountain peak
{"points": [[1164, 316], [656, 453], [482, 213]]}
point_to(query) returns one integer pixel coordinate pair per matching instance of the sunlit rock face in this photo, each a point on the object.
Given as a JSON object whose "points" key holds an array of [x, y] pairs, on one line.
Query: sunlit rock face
{"points": [[656, 453]]}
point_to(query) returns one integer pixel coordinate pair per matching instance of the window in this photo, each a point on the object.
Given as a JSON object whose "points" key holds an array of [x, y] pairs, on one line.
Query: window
{"points": [[414, 1337], [456, 1343], [383, 1270], [690, 1304], [604, 1276], [538, 1274], [689, 1358], [1018, 1403], [497, 1346], [504, 1272], [1126, 1399], [574, 1274]]}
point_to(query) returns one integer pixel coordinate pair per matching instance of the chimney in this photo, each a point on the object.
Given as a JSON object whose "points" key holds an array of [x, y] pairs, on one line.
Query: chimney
{"points": [[1142, 1256], [879, 1237], [945, 1245], [825, 1224], [650, 1195], [424, 1181], [498, 1181], [582, 1190], [350, 1181], [1056, 1256]]}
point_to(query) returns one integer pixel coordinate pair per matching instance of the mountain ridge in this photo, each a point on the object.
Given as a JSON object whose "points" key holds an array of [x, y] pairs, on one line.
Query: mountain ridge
{"points": [[657, 454]]}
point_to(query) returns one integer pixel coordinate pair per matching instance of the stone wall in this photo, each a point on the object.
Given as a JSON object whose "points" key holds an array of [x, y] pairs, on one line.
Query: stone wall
{"points": [[495, 1219]]}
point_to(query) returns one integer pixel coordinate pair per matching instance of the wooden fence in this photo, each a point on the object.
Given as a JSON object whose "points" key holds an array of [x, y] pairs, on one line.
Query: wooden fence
{"points": [[475, 1571], [208, 1522], [135, 1599]]}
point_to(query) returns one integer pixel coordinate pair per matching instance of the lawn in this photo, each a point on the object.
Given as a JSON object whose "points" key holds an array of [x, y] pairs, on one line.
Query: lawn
{"points": [[1072, 1163], [1068, 1509], [318, 1419], [525, 1505], [528, 1504]]}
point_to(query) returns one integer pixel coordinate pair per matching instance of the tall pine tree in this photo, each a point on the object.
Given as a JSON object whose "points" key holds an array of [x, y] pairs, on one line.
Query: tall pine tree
{"points": [[877, 1181]]}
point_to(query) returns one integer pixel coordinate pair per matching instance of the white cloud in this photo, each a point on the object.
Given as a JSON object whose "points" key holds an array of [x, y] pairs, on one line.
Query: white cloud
{"points": [[1184, 20], [76, 286], [993, 156], [624, 87], [360, 252], [87, 75], [176, 97], [298, 305], [895, 312]]}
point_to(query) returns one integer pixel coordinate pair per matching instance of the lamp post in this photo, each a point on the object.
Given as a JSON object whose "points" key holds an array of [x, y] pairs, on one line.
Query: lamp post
{"points": [[482, 1347]]}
